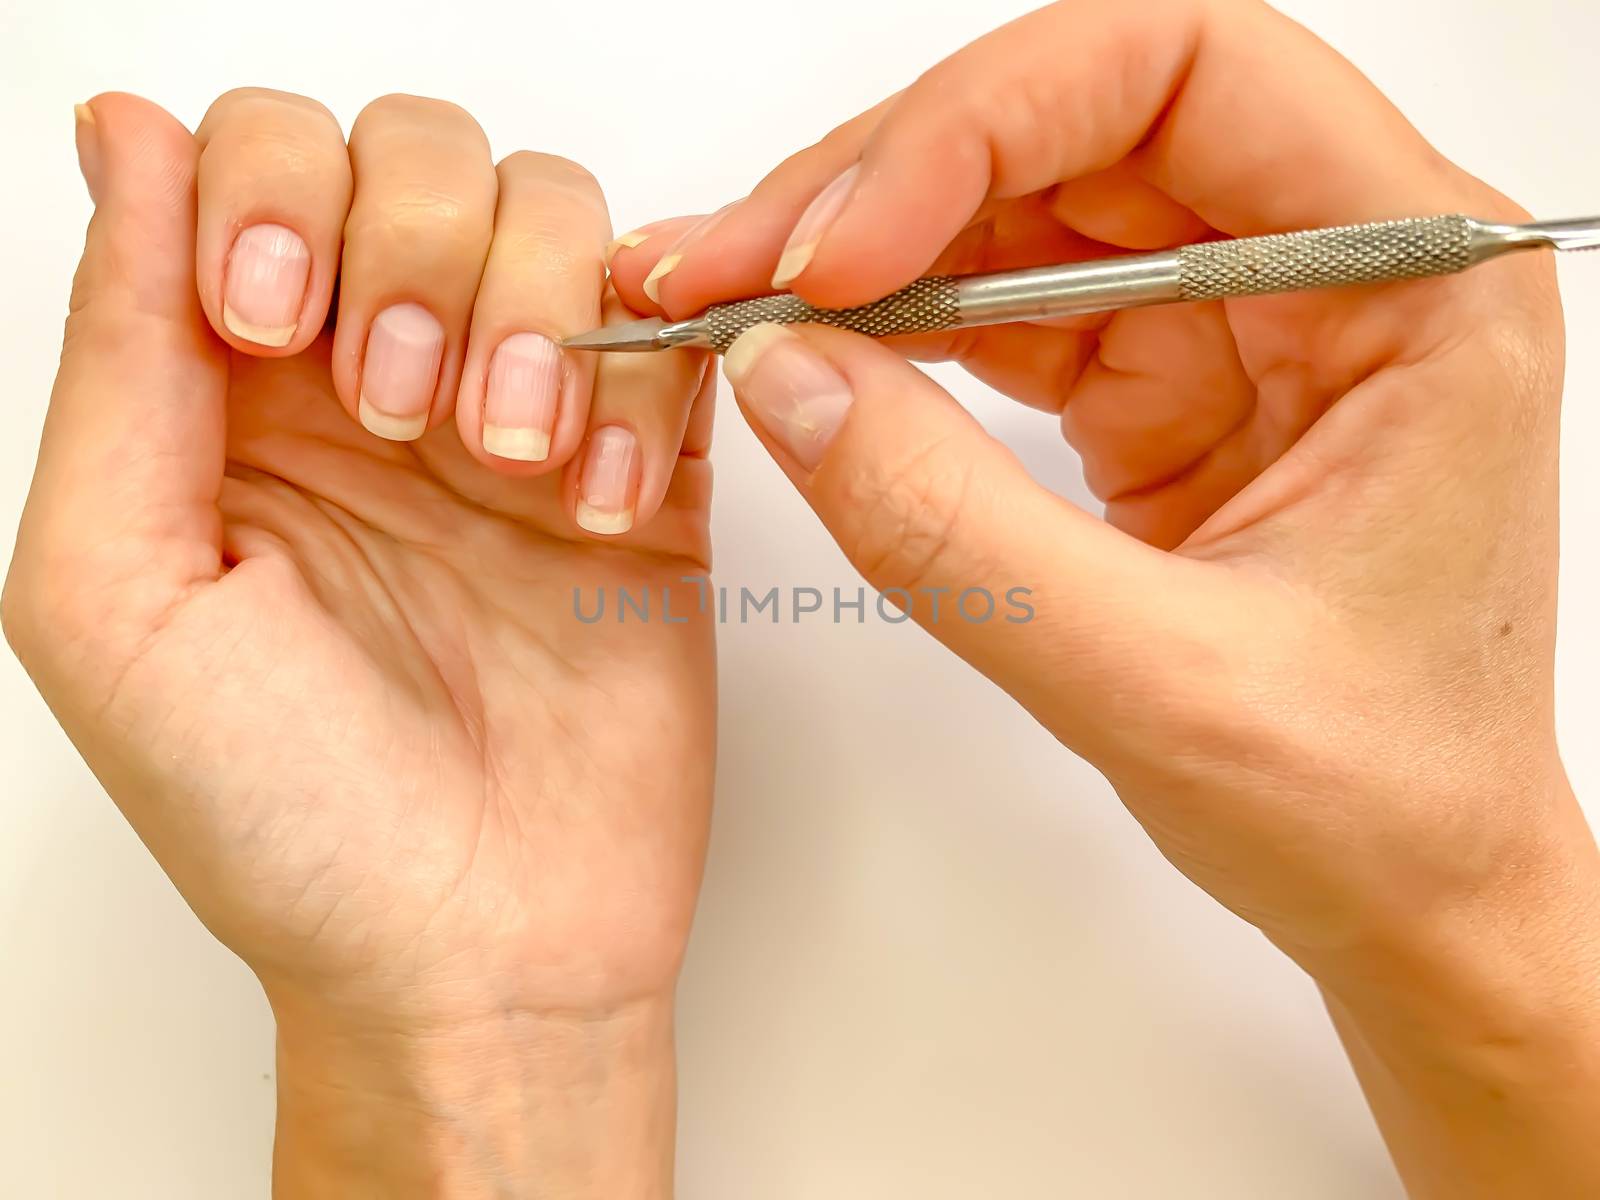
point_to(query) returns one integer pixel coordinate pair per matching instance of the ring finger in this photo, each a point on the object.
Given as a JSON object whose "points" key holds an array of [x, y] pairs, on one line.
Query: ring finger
{"points": [[523, 402]]}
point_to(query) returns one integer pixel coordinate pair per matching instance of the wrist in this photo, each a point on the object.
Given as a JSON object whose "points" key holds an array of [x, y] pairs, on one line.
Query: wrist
{"points": [[568, 1106], [1475, 1032], [1498, 980]]}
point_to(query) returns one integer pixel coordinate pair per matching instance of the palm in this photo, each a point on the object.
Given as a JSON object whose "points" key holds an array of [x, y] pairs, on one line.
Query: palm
{"points": [[423, 753], [1184, 408], [1176, 411]]}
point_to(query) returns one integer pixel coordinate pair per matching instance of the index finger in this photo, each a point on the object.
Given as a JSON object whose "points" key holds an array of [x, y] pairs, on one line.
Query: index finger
{"points": [[1228, 107]]}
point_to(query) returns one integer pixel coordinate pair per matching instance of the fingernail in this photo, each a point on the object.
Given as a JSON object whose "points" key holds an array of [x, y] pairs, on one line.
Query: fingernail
{"points": [[265, 284], [674, 256], [87, 136], [813, 227], [628, 241], [652, 282], [519, 409], [607, 491], [401, 372], [794, 394]]}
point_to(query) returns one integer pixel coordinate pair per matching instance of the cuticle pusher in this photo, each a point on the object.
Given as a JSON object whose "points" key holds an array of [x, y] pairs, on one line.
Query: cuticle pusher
{"points": [[1384, 252]]}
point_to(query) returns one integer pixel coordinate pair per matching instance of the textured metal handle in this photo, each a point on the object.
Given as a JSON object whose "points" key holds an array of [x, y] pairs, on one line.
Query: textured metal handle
{"points": [[1324, 258], [1289, 262], [927, 306]]}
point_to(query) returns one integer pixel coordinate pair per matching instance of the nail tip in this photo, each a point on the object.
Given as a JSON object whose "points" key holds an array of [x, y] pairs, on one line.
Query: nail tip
{"points": [[813, 226], [605, 524], [792, 265], [83, 113], [389, 427], [272, 336], [628, 241], [652, 281], [516, 445]]}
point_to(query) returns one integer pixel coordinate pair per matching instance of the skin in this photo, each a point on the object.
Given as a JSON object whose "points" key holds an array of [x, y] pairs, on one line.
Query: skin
{"points": [[1312, 644], [336, 683]]}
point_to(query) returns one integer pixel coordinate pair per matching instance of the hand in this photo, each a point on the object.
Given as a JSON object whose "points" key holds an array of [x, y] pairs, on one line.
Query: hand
{"points": [[337, 682], [1312, 646]]}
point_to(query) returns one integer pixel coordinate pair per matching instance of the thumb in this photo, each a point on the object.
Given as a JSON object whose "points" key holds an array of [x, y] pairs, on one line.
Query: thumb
{"points": [[1051, 603], [122, 514]]}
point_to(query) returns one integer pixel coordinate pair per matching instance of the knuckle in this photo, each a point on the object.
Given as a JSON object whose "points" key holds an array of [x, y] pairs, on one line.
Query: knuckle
{"points": [[266, 151], [392, 104], [227, 107], [908, 516], [401, 109], [544, 249], [551, 168], [420, 225], [248, 104]]}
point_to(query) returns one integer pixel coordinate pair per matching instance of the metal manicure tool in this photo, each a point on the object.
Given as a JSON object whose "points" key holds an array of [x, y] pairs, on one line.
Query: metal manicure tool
{"points": [[1262, 266]]}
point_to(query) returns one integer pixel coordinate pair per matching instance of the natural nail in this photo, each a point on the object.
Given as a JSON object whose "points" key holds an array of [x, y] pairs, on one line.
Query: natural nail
{"points": [[652, 282], [401, 372], [673, 258], [608, 490], [628, 241], [794, 394], [813, 226], [87, 136], [519, 409], [265, 284]]}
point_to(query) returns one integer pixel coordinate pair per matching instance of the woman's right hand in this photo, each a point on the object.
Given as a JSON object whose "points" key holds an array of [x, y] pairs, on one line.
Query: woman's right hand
{"points": [[1312, 647]]}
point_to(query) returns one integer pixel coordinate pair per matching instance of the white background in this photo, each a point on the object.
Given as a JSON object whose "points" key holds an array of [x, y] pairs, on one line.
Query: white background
{"points": [[934, 958]]}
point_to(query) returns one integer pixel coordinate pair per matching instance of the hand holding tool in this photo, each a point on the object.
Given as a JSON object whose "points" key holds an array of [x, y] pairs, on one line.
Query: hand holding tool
{"points": [[1291, 262]]}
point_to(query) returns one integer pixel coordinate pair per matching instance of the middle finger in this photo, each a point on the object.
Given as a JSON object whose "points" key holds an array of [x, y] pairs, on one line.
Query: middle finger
{"points": [[415, 244]]}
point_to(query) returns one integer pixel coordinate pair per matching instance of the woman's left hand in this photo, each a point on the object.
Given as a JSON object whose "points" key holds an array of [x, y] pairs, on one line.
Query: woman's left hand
{"points": [[337, 681]]}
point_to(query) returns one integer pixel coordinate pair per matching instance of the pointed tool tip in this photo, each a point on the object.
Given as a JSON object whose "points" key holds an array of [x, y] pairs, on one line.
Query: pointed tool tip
{"points": [[635, 336]]}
